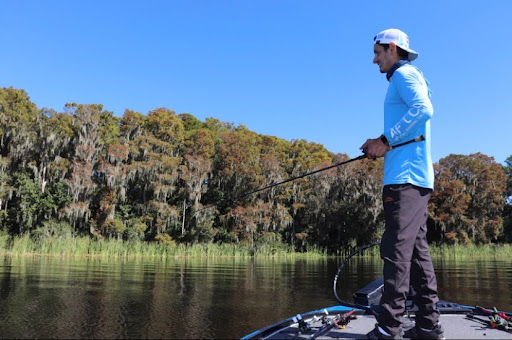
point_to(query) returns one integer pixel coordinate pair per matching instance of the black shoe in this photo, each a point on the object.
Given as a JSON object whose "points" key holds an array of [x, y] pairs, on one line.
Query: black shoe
{"points": [[419, 333], [376, 334]]}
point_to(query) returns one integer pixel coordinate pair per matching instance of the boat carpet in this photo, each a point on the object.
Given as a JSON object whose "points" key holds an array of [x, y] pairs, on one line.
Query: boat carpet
{"points": [[456, 326]]}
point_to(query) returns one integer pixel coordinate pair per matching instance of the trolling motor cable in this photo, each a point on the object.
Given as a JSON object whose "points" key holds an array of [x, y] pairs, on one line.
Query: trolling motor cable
{"points": [[343, 303]]}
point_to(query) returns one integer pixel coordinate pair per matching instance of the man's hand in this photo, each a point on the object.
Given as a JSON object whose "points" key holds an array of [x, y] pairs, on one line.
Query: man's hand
{"points": [[374, 148]]}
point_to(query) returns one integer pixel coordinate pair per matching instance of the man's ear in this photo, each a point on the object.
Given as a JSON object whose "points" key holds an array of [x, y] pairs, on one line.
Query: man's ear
{"points": [[392, 46]]}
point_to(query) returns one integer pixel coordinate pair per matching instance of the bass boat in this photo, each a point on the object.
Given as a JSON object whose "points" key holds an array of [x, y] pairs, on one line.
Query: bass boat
{"points": [[355, 320]]}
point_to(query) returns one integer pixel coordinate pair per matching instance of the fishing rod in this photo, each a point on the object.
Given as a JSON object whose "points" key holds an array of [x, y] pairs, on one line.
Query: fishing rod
{"points": [[364, 155], [365, 150], [340, 321]]}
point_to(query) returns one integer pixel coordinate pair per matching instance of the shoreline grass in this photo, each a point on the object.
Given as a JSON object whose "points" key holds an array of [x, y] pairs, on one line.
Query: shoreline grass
{"points": [[472, 250], [85, 246], [458, 251]]}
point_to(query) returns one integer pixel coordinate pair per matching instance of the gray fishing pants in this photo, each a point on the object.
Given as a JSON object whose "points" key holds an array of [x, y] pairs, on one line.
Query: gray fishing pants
{"points": [[404, 249]]}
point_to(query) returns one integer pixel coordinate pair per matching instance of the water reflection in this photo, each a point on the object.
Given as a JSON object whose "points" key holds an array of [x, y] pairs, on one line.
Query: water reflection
{"points": [[476, 281], [197, 297]]}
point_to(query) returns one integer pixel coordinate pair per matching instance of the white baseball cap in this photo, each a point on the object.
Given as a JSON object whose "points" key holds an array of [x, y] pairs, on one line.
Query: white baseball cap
{"points": [[399, 38]]}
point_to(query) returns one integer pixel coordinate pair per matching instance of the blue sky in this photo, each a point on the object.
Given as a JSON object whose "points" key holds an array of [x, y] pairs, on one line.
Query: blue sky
{"points": [[291, 69]]}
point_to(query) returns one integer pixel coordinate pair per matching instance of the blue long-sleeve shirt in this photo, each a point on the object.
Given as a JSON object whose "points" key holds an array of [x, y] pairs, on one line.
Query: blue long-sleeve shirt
{"points": [[407, 114]]}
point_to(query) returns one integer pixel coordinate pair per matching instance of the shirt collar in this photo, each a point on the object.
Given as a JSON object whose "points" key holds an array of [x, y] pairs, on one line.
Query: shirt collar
{"points": [[395, 66]]}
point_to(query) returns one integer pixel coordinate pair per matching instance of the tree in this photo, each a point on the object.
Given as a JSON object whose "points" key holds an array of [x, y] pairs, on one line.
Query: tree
{"points": [[508, 171], [153, 167], [27, 200], [6, 191], [49, 156], [303, 158], [236, 173], [469, 198], [507, 212], [17, 120], [173, 178], [112, 178], [88, 145], [131, 125], [31, 207], [190, 123], [167, 127], [194, 174], [345, 206], [237, 161]]}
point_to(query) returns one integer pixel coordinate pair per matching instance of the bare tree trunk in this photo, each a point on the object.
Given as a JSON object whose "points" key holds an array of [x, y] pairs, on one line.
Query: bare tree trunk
{"points": [[183, 222]]}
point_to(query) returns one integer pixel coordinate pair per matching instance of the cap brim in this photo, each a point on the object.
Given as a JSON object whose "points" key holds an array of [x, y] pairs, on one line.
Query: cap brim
{"points": [[412, 54]]}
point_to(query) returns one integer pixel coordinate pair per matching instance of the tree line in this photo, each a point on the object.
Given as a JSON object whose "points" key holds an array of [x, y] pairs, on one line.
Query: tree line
{"points": [[167, 177]]}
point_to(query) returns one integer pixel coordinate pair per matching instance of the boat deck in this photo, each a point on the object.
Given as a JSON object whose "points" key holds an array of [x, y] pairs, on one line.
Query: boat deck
{"points": [[456, 326]]}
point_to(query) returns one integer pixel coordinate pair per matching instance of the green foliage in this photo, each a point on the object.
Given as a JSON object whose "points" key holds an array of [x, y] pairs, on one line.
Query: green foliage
{"points": [[508, 171], [28, 198], [165, 239], [113, 228], [109, 127], [135, 230], [165, 125], [17, 119], [507, 211], [131, 125], [4, 241], [53, 229], [190, 123]]}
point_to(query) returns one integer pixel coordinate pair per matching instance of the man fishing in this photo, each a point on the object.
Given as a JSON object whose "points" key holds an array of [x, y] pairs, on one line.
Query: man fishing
{"points": [[408, 185]]}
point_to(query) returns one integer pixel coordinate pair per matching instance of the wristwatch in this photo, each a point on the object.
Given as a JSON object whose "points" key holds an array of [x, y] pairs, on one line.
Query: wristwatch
{"points": [[384, 140]]}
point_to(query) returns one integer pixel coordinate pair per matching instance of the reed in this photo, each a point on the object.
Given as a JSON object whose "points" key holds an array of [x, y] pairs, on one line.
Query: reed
{"points": [[89, 247], [488, 250], [459, 251]]}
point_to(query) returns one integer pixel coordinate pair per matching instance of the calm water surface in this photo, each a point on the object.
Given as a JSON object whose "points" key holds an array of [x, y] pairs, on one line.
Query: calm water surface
{"points": [[201, 298]]}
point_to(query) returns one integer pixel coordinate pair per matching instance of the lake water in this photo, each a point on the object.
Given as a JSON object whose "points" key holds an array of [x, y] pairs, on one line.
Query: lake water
{"points": [[201, 298]]}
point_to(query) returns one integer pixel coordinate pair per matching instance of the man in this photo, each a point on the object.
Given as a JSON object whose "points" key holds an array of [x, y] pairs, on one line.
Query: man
{"points": [[408, 184]]}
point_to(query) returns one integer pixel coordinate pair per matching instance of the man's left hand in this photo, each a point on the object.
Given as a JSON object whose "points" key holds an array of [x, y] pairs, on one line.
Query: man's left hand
{"points": [[375, 148]]}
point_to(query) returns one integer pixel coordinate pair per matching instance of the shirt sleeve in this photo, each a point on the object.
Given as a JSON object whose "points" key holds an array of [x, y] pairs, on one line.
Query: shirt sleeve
{"points": [[413, 90]]}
